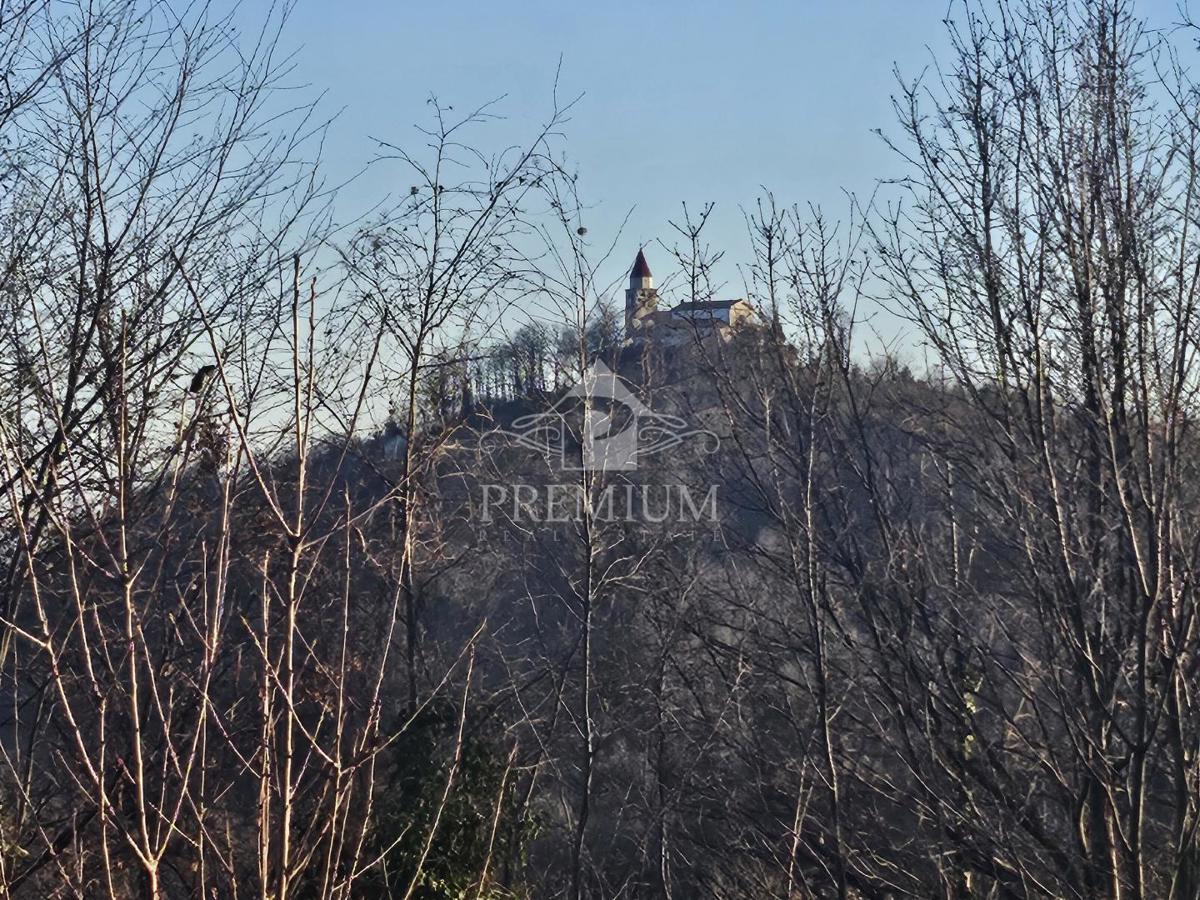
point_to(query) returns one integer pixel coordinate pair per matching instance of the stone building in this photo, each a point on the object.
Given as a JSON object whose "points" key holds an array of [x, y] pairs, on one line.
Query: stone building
{"points": [[645, 321]]}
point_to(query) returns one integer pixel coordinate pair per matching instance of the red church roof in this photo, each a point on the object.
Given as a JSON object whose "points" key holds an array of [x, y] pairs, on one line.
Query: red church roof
{"points": [[641, 269]]}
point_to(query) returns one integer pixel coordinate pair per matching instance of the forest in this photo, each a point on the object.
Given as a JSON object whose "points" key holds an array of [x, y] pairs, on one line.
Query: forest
{"points": [[275, 619]]}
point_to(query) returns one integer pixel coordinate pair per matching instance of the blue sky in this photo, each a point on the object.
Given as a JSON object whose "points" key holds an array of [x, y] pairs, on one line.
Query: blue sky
{"points": [[697, 101]]}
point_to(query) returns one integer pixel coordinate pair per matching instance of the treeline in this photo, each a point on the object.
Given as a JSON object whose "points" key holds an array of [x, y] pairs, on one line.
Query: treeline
{"points": [[537, 360]]}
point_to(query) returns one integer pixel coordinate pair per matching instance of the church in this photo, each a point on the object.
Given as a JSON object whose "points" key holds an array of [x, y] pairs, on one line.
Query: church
{"points": [[645, 321]]}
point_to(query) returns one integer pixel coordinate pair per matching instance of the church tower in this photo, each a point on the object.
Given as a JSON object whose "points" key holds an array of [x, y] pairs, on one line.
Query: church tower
{"points": [[641, 299]]}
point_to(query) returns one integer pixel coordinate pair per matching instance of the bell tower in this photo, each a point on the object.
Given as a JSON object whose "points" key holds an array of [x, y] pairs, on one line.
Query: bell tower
{"points": [[641, 299]]}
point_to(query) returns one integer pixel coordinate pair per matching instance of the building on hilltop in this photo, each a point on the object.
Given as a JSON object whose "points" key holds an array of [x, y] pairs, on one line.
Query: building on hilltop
{"points": [[645, 321]]}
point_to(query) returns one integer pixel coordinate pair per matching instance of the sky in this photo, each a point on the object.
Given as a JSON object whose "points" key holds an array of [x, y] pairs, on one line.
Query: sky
{"points": [[681, 101]]}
